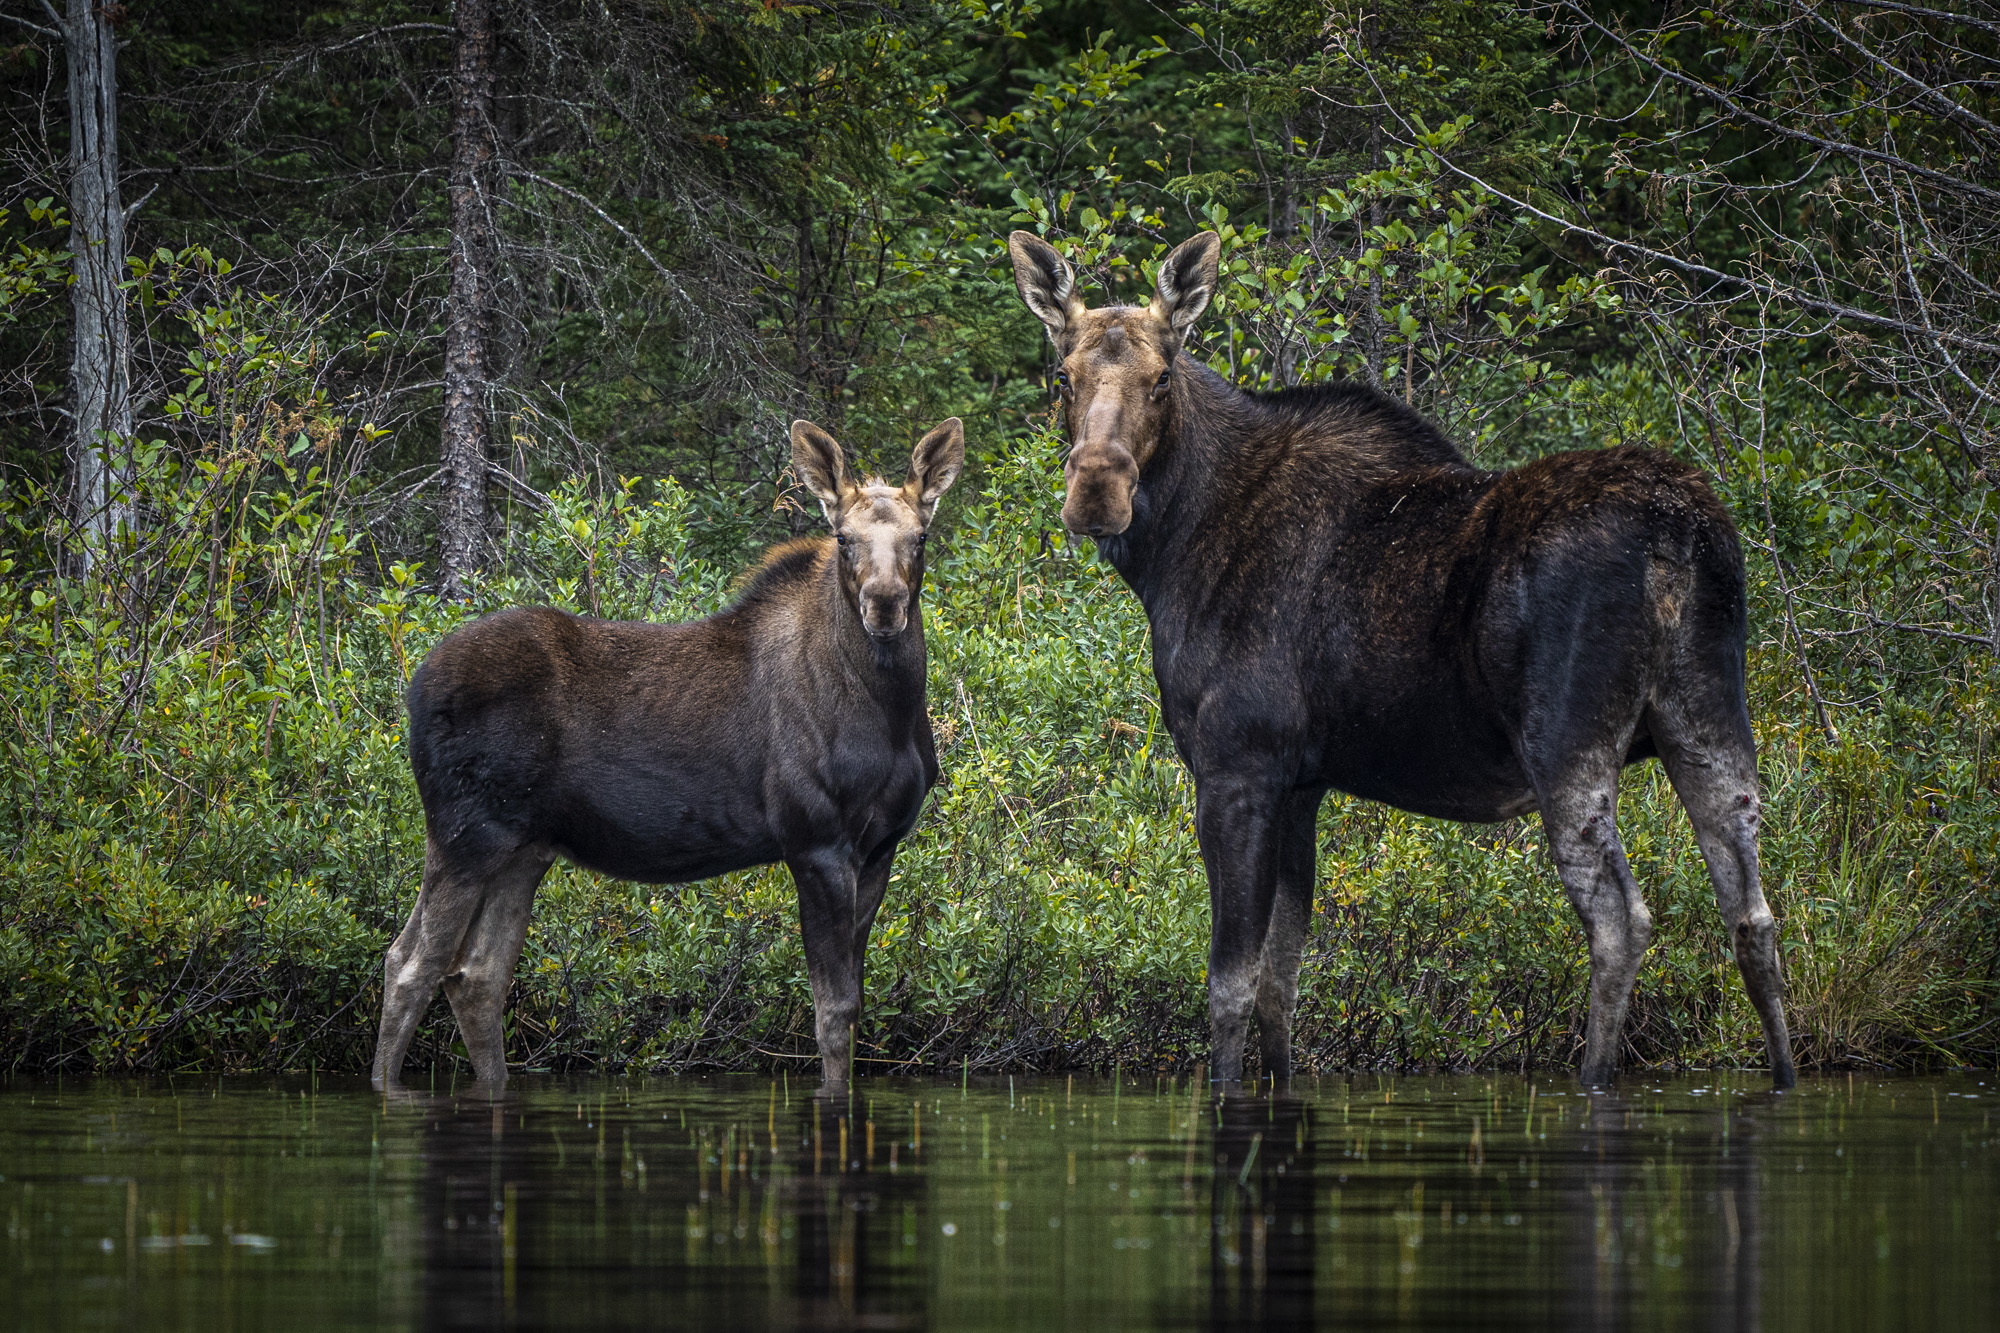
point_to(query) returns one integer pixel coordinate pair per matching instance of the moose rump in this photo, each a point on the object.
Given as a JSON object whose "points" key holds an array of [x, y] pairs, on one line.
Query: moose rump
{"points": [[790, 726]]}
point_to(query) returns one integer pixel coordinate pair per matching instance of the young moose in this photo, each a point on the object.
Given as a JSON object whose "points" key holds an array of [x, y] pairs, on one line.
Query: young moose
{"points": [[789, 727], [1339, 600]]}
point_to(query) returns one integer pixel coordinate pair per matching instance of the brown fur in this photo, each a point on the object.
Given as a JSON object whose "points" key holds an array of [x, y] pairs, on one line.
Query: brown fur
{"points": [[789, 726]]}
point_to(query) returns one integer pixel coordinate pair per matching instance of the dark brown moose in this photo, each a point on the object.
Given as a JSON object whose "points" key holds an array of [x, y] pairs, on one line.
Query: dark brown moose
{"points": [[1340, 601], [788, 727]]}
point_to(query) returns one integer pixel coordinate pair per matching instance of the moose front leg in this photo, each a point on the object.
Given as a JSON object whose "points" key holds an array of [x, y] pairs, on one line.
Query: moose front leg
{"points": [[1239, 822], [826, 883], [871, 882]]}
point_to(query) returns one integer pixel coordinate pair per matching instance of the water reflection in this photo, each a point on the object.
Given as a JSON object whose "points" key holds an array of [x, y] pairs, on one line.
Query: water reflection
{"points": [[1262, 1237], [470, 1211], [1653, 1228], [745, 1203], [624, 1214], [855, 1227]]}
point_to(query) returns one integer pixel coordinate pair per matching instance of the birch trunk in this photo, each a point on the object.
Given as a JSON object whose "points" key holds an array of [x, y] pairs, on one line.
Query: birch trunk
{"points": [[100, 384], [467, 431]]}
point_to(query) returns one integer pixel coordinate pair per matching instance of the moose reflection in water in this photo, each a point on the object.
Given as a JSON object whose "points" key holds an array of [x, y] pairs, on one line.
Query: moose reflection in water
{"points": [[790, 726], [1349, 1203], [680, 1224], [1000, 1203], [1339, 600]]}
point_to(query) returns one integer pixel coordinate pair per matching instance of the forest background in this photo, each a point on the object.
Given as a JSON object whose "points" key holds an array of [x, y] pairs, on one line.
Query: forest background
{"points": [[324, 328]]}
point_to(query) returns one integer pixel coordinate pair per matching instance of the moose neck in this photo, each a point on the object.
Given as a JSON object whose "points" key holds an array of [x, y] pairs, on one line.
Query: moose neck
{"points": [[891, 672], [1182, 487]]}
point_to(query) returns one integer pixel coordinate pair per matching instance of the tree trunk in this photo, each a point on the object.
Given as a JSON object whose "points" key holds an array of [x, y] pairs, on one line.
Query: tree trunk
{"points": [[1285, 210], [467, 432], [100, 384], [1371, 26], [1993, 593], [1373, 337]]}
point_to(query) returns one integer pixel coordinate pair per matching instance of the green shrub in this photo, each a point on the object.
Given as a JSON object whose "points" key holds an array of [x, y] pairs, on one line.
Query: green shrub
{"points": [[203, 871]]}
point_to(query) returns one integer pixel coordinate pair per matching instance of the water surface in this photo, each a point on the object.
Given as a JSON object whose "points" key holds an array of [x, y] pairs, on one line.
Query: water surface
{"points": [[740, 1202]]}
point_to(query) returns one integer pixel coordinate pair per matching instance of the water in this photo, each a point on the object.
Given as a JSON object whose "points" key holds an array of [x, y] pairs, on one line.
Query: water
{"points": [[1690, 1202]]}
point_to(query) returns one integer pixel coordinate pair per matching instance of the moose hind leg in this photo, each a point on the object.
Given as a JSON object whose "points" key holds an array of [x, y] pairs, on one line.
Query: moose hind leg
{"points": [[1718, 786], [1284, 941], [1580, 819], [483, 971], [418, 959]]}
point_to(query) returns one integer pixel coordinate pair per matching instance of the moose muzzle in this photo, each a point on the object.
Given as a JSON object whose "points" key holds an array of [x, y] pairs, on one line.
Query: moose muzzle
{"points": [[1101, 478], [885, 606]]}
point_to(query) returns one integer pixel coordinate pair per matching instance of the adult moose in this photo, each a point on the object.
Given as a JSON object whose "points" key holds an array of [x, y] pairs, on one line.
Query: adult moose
{"points": [[1339, 600], [789, 726]]}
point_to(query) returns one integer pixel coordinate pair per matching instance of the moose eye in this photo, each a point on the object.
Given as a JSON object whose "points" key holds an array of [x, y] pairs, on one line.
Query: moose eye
{"points": [[840, 538], [1166, 377], [1062, 380]]}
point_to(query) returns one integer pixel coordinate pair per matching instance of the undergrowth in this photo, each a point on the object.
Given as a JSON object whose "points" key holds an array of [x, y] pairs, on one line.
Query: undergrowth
{"points": [[210, 834]]}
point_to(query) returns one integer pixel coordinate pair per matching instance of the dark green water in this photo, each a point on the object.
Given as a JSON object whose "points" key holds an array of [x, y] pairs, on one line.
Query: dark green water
{"points": [[1690, 1202]]}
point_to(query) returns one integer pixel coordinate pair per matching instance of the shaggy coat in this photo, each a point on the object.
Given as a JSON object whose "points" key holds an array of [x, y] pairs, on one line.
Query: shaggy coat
{"points": [[789, 727], [1339, 600]]}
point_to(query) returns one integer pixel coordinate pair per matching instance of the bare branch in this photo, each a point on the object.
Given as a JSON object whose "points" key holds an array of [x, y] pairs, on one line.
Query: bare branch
{"points": [[1919, 11], [1944, 180], [52, 33], [673, 279]]}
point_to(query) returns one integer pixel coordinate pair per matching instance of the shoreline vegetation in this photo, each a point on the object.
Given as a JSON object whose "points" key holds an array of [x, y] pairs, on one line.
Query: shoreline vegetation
{"points": [[1510, 217], [208, 877]]}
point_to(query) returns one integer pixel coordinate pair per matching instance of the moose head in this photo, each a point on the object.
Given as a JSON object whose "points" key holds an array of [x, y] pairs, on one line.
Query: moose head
{"points": [[880, 528], [1117, 370]]}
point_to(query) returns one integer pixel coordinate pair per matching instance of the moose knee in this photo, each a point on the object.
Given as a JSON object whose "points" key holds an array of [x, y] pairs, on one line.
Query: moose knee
{"points": [[1276, 995], [1638, 926], [404, 967], [477, 981], [1234, 985], [1756, 934]]}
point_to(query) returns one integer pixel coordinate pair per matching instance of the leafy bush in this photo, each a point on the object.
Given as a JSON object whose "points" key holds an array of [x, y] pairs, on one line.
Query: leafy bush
{"points": [[211, 834], [206, 865]]}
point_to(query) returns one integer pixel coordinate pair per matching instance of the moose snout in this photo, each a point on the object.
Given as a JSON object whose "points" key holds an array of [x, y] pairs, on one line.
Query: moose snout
{"points": [[1098, 502], [885, 608]]}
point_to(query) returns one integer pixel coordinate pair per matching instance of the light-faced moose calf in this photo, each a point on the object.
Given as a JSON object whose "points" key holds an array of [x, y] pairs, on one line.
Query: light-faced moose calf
{"points": [[1339, 600], [788, 727]]}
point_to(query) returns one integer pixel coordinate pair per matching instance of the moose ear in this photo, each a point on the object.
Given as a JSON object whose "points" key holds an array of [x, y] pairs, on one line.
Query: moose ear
{"points": [[1046, 282], [820, 465], [1187, 280], [935, 464]]}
